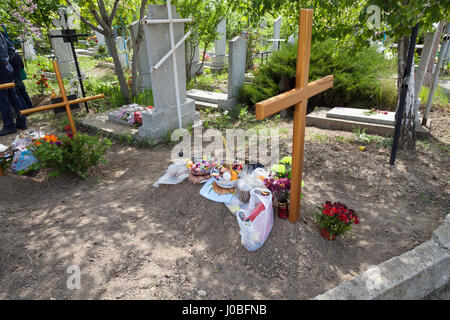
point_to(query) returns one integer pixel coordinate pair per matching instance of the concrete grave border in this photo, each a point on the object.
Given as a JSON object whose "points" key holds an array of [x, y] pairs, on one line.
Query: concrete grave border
{"points": [[413, 275]]}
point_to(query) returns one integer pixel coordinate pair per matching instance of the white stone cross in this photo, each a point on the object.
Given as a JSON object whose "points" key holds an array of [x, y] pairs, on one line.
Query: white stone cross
{"points": [[173, 48]]}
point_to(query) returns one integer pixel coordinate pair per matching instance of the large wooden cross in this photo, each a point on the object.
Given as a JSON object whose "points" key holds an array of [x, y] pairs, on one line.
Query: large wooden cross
{"points": [[299, 98], [65, 102]]}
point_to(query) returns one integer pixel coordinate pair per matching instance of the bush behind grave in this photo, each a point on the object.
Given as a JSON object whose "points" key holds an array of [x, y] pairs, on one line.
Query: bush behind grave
{"points": [[358, 75]]}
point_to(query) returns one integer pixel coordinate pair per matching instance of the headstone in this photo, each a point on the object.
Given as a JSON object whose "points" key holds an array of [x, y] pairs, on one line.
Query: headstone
{"points": [[144, 81], [359, 115], [122, 52], [291, 39], [218, 60], [161, 119], [30, 53], [101, 39], [196, 64], [63, 53], [276, 33], [236, 66], [432, 63], [422, 70]]}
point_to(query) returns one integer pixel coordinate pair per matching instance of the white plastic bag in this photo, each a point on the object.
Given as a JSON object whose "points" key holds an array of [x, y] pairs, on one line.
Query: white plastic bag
{"points": [[256, 221], [175, 174]]}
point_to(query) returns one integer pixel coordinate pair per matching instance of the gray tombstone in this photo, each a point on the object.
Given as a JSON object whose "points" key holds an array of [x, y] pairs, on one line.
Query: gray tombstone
{"points": [[63, 53], [218, 60], [28, 45], [101, 39], [196, 65], [122, 52], [163, 118], [291, 39], [144, 81], [276, 33], [236, 66], [422, 70]]}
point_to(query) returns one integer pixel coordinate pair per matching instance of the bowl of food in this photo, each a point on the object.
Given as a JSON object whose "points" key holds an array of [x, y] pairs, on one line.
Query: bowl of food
{"points": [[226, 178], [201, 168]]}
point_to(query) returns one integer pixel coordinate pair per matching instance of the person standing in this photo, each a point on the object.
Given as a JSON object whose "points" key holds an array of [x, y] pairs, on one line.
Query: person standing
{"points": [[19, 76], [9, 100]]}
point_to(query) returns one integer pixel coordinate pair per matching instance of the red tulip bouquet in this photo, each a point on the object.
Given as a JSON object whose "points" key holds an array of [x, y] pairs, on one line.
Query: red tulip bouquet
{"points": [[335, 219]]}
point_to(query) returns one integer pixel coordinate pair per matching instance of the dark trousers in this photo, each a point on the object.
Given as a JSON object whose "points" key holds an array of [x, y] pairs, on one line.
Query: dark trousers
{"points": [[23, 94], [10, 104]]}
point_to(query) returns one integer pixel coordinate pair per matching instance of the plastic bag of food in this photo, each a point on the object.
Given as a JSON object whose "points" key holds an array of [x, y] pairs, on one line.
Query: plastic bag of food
{"points": [[256, 220], [175, 174]]}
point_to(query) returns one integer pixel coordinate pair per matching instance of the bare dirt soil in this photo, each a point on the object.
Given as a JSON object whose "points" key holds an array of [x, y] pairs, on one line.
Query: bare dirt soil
{"points": [[134, 241]]}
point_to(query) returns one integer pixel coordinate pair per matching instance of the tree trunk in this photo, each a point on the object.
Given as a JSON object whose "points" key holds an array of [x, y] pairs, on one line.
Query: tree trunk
{"points": [[136, 45], [111, 41], [407, 139], [134, 73], [402, 52]]}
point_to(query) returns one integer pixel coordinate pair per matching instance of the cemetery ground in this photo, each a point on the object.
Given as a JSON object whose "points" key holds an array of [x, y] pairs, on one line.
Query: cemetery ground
{"points": [[134, 241]]}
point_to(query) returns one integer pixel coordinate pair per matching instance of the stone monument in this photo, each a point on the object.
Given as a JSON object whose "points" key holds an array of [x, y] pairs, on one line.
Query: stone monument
{"points": [[144, 81], [220, 47], [163, 118], [276, 33], [64, 54]]}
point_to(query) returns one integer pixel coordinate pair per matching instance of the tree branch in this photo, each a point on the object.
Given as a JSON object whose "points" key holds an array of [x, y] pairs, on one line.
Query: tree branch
{"points": [[102, 10], [113, 12], [85, 21]]}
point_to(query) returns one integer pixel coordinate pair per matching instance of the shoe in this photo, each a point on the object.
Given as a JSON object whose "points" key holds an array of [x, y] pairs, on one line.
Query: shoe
{"points": [[6, 131], [21, 127]]}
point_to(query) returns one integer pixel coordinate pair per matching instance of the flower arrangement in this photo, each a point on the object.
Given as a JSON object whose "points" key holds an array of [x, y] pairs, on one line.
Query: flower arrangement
{"points": [[280, 187], [92, 40], [51, 139], [133, 117], [373, 112], [42, 82], [336, 218]]}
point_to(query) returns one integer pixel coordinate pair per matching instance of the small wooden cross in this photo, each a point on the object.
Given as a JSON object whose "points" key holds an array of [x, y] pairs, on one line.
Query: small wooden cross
{"points": [[298, 97], [65, 102], [5, 86]]}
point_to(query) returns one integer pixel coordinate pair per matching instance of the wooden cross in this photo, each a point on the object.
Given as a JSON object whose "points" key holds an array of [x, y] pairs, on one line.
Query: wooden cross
{"points": [[65, 102], [7, 85], [298, 97]]}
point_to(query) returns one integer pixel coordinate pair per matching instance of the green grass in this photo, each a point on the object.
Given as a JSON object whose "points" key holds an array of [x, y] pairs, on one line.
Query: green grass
{"points": [[209, 81], [237, 118], [439, 98]]}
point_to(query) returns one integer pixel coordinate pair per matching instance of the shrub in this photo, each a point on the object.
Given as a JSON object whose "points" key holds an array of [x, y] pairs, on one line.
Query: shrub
{"points": [[357, 75], [72, 154]]}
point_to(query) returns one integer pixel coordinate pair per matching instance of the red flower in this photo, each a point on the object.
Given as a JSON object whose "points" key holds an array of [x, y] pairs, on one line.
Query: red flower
{"points": [[67, 128]]}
